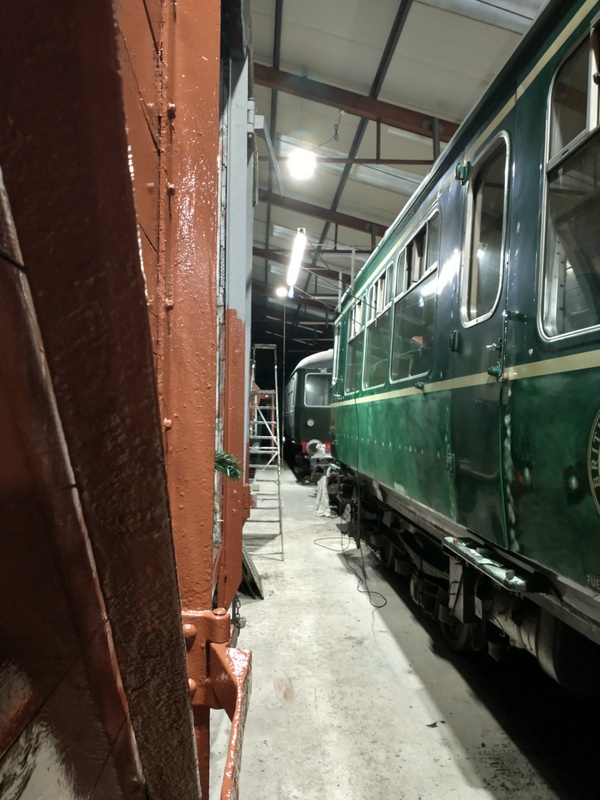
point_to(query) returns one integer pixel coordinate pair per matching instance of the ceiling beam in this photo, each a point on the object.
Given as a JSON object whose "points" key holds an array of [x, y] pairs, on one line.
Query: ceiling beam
{"points": [[410, 162], [299, 299], [384, 64], [310, 210], [308, 323], [351, 102], [284, 259]]}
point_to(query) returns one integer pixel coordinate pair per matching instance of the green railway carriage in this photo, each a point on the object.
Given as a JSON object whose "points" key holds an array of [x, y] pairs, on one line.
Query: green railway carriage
{"points": [[466, 385], [306, 413]]}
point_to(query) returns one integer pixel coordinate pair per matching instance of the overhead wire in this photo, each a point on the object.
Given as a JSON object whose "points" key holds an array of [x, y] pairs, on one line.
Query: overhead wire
{"points": [[335, 136], [327, 266]]}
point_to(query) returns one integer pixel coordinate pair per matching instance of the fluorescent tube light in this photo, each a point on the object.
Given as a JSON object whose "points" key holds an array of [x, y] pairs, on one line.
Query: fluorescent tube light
{"points": [[296, 257]]}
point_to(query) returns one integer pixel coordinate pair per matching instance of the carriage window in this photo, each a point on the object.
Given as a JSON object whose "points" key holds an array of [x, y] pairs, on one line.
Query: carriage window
{"points": [[400, 274], [389, 286], [571, 289], [487, 213], [433, 243], [568, 107], [377, 346], [317, 389], [354, 350], [414, 314], [415, 256], [371, 303], [414, 310]]}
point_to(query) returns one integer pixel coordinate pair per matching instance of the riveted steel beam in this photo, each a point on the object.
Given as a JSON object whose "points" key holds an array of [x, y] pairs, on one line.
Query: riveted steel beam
{"points": [[331, 215], [367, 107]]}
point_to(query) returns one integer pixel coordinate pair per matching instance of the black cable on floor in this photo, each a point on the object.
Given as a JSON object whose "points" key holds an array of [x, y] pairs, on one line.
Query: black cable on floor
{"points": [[362, 580], [342, 548]]}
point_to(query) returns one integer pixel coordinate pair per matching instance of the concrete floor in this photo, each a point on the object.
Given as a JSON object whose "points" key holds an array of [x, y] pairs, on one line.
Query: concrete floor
{"points": [[351, 702]]}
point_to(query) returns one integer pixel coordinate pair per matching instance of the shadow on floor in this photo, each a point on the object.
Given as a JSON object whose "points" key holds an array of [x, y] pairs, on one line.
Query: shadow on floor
{"points": [[559, 734]]}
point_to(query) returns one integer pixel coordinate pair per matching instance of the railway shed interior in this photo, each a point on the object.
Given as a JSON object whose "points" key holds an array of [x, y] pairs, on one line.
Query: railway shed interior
{"points": [[356, 695], [368, 94], [148, 212]]}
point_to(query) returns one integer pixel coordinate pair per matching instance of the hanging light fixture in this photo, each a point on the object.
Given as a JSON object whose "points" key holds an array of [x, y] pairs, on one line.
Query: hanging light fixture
{"points": [[302, 164], [296, 259]]}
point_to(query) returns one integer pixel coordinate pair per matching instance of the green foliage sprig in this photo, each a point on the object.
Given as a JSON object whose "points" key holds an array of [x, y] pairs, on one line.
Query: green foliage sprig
{"points": [[228, 465]]}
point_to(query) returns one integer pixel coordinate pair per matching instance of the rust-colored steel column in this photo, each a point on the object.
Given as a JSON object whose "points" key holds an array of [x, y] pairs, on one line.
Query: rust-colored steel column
{"points": [[188, 357], [190, 348], [64, 152], [236, 495]]}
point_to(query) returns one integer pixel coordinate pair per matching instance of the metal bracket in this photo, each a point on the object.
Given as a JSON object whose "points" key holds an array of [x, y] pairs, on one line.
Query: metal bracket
{"points": [[258, 125], [220, 678], [463, 172], [200, 629]]}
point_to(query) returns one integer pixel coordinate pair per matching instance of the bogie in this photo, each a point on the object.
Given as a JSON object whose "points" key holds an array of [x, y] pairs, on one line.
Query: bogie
{"points": [[474, 613]]}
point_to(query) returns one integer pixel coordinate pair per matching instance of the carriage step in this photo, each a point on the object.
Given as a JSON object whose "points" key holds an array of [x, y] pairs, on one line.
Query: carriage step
{"points": [[478, 556]]}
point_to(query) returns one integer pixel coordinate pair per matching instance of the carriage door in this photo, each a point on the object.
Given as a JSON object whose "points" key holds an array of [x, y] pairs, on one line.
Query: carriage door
{"points": [[478, 348]]}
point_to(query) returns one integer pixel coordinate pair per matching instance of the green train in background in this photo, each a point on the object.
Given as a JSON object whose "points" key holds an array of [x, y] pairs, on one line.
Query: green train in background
{"points": [[306, 400], [466, 378]]}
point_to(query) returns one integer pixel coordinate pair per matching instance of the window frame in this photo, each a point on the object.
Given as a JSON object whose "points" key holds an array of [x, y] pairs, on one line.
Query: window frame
{"points": [[319, 374], [409, 286], [351, 334], [502, 139], [382, 301], [548, 287]]}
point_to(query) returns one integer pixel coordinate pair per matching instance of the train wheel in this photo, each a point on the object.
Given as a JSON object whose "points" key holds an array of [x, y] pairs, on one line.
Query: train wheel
{"points": [[388, 556], [463, 637]]}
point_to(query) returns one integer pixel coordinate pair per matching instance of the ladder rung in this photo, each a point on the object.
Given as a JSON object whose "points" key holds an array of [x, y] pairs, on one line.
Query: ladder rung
{"points": [[265, 455]]}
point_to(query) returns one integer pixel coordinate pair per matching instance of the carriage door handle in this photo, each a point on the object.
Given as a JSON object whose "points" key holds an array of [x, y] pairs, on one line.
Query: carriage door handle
{"points": [[496, 370], [496, 347]]}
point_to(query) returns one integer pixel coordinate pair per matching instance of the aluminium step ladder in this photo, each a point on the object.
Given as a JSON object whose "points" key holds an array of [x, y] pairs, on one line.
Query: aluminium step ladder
{"points": [[265, 521]]}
